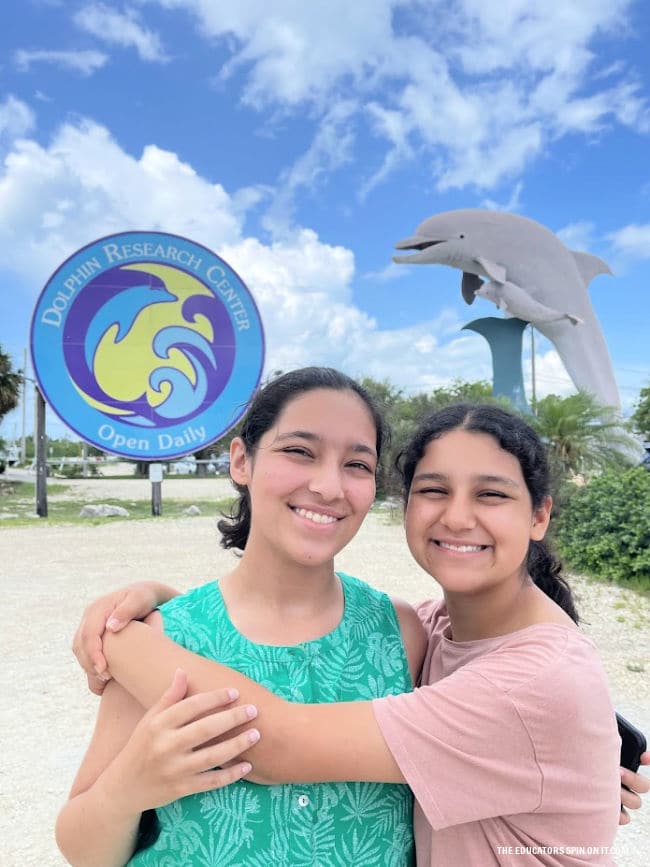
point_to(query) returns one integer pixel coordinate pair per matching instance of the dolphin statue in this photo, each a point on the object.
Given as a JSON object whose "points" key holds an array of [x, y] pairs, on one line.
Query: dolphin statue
{"points": [[514, 301], [532, 274]]}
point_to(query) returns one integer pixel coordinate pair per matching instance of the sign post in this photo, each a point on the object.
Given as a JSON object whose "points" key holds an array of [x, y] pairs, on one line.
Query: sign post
{"points": [[156, 477], [40, 448]]}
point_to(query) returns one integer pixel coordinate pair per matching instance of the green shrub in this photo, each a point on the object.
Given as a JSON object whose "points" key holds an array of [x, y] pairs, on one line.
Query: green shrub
{"points": [[604, 528]]}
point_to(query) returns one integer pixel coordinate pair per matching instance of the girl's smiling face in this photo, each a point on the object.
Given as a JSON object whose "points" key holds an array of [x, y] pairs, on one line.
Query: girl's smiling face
{"points": [[469, 517], [311, 478]]}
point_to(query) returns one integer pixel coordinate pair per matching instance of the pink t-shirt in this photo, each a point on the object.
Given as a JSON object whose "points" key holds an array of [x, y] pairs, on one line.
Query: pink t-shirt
{"points": [[511, 749]]}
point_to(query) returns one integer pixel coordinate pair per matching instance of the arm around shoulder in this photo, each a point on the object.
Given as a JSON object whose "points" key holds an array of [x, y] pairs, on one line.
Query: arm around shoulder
{"points": [[299, 743]]}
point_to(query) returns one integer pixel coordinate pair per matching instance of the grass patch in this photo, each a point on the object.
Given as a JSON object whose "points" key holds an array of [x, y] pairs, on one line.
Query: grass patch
{"points": [[9, 491], [18, 507]]}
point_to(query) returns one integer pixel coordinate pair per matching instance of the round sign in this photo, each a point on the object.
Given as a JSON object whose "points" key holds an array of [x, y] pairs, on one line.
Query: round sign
{"points": [[147, 345]]}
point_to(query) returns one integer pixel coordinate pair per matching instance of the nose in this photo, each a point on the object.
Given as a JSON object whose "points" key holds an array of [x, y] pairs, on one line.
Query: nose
{"points": [[327, 481], [458, 514]]}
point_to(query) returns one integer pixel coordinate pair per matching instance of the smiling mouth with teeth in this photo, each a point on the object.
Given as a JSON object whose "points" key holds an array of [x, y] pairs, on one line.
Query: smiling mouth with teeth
{"points": [[461, 549], [316, 517]]}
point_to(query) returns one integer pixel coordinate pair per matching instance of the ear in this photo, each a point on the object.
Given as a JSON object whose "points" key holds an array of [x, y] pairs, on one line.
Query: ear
{"points": [[239, 462], [541, 518]]}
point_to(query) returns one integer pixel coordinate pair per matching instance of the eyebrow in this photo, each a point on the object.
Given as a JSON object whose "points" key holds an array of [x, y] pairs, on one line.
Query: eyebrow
{"points": [[360, 448], [443, 477]]}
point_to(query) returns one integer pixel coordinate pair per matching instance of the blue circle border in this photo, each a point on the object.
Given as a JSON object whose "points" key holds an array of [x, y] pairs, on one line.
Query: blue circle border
{"points": [[216, 420]]}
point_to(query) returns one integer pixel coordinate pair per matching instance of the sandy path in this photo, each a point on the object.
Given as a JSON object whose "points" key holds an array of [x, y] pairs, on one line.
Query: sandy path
{"points": [[48, 574]]}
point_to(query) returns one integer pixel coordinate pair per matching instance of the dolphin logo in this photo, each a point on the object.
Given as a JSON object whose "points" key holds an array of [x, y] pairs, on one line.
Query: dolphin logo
{"points": [[532, 275]]}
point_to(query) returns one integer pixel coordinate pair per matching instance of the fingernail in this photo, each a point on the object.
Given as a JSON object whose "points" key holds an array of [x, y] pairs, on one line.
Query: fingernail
{"points": [[100, 674], [233, 694], [253, 736], [245, 768], [251, 711], [112, 623]]}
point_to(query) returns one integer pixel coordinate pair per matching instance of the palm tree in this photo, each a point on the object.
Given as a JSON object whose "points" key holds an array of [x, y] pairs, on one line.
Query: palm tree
{"points": [[10, 381], [582, 435]]}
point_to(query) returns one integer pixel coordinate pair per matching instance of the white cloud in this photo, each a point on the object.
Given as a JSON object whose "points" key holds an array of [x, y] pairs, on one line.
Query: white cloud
{"points": [[121, 28], [85, 62], [578, 235], [388, 274], [297, 52], [330, 148], [16, 118], [632, 241], [56, 199], [512, 204], [550, 375], [481, 90]]}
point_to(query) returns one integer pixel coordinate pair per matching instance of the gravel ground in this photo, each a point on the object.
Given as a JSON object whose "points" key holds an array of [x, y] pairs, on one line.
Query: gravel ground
{"points": [[49, 573]]}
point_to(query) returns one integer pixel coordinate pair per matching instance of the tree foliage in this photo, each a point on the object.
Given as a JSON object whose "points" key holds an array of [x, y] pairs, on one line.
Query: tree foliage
{"points": [[10, 381], [582, 435], [403, 414], [605, 528], [641, 416]]}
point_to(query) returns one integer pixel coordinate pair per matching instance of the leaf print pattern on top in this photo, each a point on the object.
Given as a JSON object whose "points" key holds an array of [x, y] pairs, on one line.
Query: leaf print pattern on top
{"points": [[323, 825]]}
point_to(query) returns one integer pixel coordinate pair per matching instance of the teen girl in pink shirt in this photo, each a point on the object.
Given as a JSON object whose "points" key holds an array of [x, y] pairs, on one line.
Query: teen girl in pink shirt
{"points": [[510, 744]]}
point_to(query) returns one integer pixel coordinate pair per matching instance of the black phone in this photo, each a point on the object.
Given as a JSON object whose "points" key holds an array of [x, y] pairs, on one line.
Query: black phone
{"points": [[633, 743]]}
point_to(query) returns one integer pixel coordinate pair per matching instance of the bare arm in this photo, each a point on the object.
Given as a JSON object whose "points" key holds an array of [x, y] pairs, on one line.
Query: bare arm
{"points": [[95, 827], [413, 636], [139, 760], [299, 743]]}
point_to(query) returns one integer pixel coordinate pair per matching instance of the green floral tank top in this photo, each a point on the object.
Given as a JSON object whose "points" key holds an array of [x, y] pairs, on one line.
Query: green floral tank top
{"points": [[321, 825]]}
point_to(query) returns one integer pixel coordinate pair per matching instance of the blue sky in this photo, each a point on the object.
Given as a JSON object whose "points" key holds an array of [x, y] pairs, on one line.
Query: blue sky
{"points": [[300, 141]]}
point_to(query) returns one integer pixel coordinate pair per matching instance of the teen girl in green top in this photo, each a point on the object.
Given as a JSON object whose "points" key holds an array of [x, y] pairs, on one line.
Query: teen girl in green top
{"points": [[305, 470]]}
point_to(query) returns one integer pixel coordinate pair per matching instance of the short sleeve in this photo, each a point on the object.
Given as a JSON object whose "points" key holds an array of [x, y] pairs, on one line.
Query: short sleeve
{"points": [[463, 749]]}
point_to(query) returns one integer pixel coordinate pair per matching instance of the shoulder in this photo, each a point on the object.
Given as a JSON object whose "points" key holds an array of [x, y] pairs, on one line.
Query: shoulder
{"points": [[548, 658], [361, 598], [414, 636], [432, 614], [195, 596], [191, 619]]}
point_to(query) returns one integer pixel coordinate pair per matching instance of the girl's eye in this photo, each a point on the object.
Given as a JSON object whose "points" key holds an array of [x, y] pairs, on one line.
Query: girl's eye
{"points": [[439, 492], [297, 450], [499, 495], [359, 465]]}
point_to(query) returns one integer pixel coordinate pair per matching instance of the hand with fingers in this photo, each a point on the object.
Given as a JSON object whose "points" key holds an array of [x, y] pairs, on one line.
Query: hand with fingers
{"points": [[632, 787], [172, 751], [112, 612]]}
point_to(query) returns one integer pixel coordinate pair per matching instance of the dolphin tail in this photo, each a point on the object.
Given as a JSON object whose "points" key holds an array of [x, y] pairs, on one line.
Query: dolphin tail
{"points": [[585, 357]]}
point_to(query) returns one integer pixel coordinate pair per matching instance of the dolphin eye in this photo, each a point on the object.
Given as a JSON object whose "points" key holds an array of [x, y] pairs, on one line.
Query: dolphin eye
{"points": [[462, 236]]}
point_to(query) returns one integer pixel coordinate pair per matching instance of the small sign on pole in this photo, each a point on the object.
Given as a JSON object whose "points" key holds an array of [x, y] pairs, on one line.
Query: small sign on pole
{"points": [[156, 477]]}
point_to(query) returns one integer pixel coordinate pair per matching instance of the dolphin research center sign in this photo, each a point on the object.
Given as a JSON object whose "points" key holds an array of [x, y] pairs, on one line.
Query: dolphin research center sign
{"points": [[147, 345]]}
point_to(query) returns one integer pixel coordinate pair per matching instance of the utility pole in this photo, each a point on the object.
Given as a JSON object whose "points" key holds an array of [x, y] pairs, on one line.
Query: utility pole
{"points": [[23, 441], [40, 442], [533, 401]]}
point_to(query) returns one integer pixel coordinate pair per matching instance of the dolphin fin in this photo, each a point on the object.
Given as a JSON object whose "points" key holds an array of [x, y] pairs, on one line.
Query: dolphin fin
{"points": [[589, 266], [469, 286], [496, 273]]}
